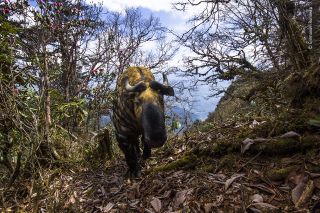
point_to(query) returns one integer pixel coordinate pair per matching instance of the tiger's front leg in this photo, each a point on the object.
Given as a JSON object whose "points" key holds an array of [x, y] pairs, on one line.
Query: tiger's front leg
{"points": [[132, 155]]}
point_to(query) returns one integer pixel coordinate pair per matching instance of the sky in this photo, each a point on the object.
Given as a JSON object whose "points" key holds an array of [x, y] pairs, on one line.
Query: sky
{"points": [[177, 22]]}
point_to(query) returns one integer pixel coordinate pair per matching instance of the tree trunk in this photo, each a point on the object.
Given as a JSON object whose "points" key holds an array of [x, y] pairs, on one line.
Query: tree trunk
{"points": [[316, 28], [47, 101], [296, 45]]}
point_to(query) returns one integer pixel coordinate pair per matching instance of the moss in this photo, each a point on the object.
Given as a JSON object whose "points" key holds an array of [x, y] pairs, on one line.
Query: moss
{"points": [[204, 126], [314, 168], [227, 162], [245, 133], [280, 146], [262, 130], [224, 148], [186, 161], [277, 146], [310, 142], [280, 174], [207, 168], [284, 146], [311, 139]]}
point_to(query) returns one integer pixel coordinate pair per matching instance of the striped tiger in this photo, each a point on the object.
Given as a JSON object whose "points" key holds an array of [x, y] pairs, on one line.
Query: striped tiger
{"points": [[138, 110]]}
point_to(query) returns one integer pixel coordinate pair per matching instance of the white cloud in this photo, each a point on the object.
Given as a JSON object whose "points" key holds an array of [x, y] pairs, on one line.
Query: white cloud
{"points": [[154, 5], [176, 21]]}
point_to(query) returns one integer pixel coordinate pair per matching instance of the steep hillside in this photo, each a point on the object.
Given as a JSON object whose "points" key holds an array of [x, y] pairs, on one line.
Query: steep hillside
{"points": [[238, 166], [234, 102]]}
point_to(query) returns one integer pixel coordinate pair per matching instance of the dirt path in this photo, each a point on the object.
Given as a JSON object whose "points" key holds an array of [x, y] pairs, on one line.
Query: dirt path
{"points": [[106, 190]]}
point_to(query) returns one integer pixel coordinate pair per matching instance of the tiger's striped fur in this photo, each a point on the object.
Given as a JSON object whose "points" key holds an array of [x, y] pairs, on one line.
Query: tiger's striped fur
{"points": [[131, 112]]}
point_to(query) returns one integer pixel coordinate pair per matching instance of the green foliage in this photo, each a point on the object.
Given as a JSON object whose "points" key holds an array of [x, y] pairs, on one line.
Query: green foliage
{"points": [[314, 122], [185, 162], [280, 174], [101, 148], [74, 110]]}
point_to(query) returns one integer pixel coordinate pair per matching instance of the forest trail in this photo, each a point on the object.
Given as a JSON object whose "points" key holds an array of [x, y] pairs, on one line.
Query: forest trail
{"points": [[259, 151], [236, 184]]}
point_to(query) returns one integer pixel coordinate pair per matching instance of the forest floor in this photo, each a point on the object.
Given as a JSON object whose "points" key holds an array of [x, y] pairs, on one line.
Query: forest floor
{"points": [[195, 172], [245, 189]]}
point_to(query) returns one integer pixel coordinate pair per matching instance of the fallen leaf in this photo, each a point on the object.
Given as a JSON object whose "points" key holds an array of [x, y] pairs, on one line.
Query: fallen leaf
{"points": [[246, 144], [264, 207], [122, 206], [260, 140], [290, 134], [181, 197], [263, 188], [72, 199], [114, 190], [220, 198], [177, 173], [108, 207], [317, 183], [134, 204], [296, 176], [302, 192], [149, 211], [314, 175], [298, 190], [156, 204], [231, 180], [256, 198], [166, 194], [255, 123], [103, 191], [207, 207], [217, 176], [253, 210]]}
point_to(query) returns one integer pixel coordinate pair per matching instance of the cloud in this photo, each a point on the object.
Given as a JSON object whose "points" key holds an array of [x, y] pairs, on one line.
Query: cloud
{"points": [[119, 6], [175, 21], [166, 6]]}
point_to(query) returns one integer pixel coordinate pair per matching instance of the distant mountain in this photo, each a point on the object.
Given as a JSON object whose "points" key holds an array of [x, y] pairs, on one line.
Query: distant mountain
{"points": [[181, 114], [184, 117]]}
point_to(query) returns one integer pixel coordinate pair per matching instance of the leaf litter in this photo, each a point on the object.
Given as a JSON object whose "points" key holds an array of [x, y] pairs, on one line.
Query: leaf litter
{"points": [[243, 186]]}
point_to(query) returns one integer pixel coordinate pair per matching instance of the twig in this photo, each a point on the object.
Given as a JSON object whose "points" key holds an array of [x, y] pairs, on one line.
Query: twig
{"points": [[257, 155], [17, 170]]}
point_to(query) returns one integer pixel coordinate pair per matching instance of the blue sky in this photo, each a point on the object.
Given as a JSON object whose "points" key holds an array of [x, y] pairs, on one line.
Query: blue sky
{"points": [[177, 22]]}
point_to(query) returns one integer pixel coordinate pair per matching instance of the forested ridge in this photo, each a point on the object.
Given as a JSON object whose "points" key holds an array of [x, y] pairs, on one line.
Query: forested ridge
{"points": [[258, 151]]}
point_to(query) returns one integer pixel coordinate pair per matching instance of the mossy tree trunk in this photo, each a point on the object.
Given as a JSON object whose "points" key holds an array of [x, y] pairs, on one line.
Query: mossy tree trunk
{"points": [[297, 47], [316, 28]]}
